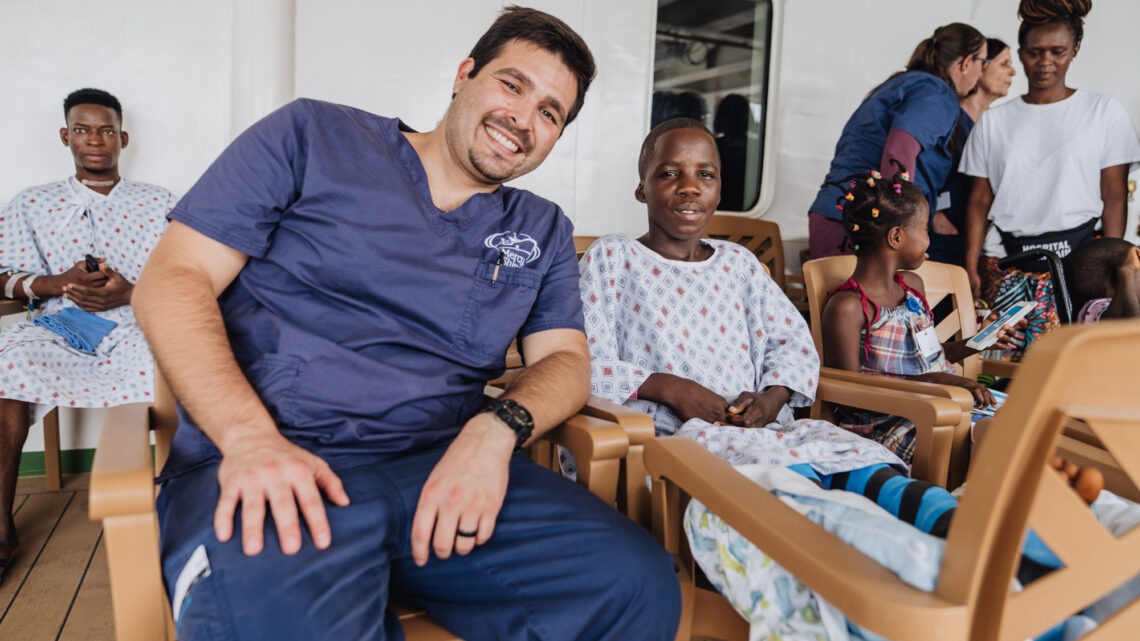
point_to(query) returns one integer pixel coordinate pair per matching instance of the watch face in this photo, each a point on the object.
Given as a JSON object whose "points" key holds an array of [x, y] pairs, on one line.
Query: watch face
{"points": [[517, 413], [516, 417]]}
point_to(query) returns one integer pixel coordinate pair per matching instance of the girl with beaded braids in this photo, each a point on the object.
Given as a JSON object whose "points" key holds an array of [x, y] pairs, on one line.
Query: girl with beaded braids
{"points": [[912, 117], [1048, 169], [878, 321]]}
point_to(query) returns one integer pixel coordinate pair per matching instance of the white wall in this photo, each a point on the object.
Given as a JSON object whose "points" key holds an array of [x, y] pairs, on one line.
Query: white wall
{"points": [[186, 87], [168, 62]]}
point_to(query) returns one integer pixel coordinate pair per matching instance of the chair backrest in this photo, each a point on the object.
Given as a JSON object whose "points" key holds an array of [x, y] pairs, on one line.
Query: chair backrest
{"points": [[582, 243], [940, 280], [1073, 373], [761, 237]]}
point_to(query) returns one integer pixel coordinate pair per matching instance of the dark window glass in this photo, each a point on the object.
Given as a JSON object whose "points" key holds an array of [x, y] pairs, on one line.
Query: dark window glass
{"points": [[711, 63]]}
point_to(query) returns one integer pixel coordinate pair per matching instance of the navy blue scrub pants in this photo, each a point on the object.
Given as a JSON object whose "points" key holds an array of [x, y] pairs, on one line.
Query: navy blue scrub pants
{"points": [[561, 565]]}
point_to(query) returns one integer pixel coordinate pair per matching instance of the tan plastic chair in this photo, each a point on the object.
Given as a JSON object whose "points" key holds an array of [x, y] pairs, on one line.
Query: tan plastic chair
{"points": [[122, 496], [761, 237], [940, 457], [1073, 373]]}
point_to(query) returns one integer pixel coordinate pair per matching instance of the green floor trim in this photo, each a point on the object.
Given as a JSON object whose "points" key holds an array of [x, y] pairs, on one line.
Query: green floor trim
{"points": [[71, 462]]}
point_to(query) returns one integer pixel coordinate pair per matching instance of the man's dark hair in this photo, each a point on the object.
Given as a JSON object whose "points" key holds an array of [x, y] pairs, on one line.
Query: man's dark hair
{"points": [[546, 32], [1091, 269], [91, 96], [655, 134]]}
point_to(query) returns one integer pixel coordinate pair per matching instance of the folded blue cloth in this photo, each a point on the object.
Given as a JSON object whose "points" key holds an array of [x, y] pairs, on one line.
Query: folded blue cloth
{"points": [[83, 330]]}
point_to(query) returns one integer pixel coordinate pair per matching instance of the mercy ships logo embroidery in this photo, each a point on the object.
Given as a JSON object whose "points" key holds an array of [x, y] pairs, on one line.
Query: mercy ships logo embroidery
{"points": [[517, 249]]}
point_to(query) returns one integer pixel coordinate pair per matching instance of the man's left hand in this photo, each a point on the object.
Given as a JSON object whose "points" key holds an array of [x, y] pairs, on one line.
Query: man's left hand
{"points": [[757, 410], [114, 292], [465, 490]]}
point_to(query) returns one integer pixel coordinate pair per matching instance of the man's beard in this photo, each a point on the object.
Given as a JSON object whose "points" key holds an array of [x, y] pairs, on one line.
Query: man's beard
{"points": [[489, 170], [486, 165]]}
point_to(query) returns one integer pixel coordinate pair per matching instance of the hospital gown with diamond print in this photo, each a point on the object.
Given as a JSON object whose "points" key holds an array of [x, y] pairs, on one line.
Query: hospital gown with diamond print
{"points": [[725, 324], [46, 230]]}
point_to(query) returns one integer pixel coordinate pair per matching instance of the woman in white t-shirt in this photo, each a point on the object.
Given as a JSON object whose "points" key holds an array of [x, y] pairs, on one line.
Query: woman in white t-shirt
{"points": [[1049, 167]]}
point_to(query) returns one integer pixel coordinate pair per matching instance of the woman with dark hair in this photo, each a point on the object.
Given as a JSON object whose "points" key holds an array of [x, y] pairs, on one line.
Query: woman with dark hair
{"points": [[910, 118], [1049, 168], [947, 240]]}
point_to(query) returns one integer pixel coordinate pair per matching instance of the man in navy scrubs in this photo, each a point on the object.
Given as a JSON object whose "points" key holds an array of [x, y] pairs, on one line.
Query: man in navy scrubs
{"points": [[327, 304]]}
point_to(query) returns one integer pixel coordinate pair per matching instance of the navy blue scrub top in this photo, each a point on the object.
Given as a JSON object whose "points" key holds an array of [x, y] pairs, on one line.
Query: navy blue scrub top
{"points": [[366, 319], [919, 103]]}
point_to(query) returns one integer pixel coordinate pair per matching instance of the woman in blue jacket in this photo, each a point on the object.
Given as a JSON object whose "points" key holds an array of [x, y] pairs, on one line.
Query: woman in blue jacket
{"points": [[912, 117]]}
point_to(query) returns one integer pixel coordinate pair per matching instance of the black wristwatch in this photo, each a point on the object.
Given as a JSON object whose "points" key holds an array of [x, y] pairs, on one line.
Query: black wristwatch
{"points": [[515, 416]]}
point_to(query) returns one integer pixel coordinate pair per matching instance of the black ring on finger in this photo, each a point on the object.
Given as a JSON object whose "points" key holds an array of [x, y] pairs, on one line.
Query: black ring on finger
{"points": [[469, 535]]}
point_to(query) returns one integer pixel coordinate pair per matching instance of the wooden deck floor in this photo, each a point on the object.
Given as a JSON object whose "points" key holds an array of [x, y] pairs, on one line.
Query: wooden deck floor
{"points": [[57, 589]]}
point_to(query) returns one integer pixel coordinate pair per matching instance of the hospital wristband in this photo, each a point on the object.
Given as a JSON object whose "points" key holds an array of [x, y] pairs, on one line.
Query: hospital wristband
{"points": [[10, 286], [28, 287]]}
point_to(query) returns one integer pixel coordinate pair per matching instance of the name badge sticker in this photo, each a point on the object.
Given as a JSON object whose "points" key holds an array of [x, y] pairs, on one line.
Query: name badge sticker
{"points": [[927, 341]]}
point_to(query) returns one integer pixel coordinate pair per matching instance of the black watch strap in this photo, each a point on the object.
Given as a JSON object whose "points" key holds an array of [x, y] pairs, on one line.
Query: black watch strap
{"points": [[515, 416]]}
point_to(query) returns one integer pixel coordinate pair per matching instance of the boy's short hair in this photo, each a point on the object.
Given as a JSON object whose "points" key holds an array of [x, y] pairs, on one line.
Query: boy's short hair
{"points": [[1091, 268], [546, 32], [650, 142], [89, 96]]}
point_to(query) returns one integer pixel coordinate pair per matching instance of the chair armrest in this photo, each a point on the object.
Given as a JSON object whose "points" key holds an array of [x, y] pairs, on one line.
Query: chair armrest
{"points": [[634, 497], [957, 394], [122, 474], [839, 573], [920, 408], [8, 307], [638, 425], [942, 425], [1003, 369], [598, 446]]}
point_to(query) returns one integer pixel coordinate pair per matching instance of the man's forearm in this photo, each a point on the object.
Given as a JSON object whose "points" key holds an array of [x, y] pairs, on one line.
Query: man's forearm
{"points": [[178, 311], [552, 389]]}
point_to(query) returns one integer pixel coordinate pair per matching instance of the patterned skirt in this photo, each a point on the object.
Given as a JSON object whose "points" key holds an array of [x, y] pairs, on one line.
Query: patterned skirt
{"points": [[892, 432], [1001, 288]]}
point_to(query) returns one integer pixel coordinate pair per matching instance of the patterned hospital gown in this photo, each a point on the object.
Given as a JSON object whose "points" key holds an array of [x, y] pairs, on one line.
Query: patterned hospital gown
{"points": [[46, 230], [723, 323]]}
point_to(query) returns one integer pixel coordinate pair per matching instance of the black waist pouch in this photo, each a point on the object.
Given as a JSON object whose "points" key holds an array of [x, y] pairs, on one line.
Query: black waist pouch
{"points": [[1059, 242]]}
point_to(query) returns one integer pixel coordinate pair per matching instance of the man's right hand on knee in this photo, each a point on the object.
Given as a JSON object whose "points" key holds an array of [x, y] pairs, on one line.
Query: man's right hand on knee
{"points": [[257, 469]]}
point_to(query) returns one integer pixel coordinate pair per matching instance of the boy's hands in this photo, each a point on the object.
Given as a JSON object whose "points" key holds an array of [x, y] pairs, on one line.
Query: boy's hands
{"points": [[686, 398], [757, 410]]}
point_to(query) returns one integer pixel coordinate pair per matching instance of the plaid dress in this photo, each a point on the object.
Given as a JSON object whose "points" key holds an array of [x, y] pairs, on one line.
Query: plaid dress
{"points": [[889, 349]]}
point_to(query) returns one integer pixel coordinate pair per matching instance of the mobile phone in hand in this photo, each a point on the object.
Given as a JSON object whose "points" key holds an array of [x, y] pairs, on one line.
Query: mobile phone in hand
{"points": [[989, 335], [92, 263]]}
